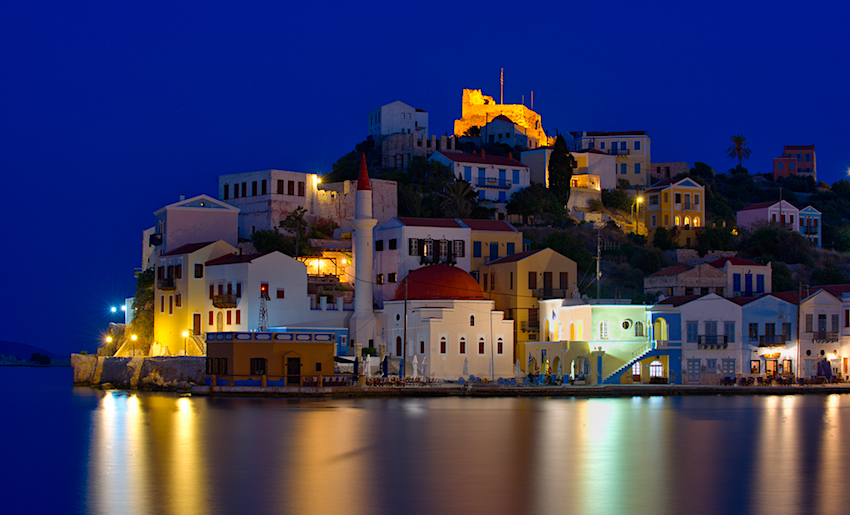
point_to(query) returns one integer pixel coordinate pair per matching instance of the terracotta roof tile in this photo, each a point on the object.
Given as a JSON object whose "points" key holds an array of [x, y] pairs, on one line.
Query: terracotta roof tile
{"points": [[489, 225], [428, 222], [188, 248]]}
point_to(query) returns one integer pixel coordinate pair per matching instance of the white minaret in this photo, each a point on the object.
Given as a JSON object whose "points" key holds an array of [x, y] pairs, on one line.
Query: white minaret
{"points": [[363, 324]]}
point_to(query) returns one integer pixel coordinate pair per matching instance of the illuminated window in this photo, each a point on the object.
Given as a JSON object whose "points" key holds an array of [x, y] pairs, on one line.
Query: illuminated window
{"points": [[636, 369], [639, 329], [380, 279], [687, 221], [603, 330], [392, 277], [696, 221], [656, 369], [677, 220]]}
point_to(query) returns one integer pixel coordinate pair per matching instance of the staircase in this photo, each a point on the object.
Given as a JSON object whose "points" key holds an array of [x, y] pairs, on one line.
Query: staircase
{"points": [[637, 355]]}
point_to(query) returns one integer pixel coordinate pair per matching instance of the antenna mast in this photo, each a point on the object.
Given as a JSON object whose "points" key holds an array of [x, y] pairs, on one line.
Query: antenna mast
{"points": [[502, 87]]}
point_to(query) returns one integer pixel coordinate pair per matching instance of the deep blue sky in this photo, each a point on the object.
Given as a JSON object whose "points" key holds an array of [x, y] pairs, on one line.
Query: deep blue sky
{"points": [[111, 110]]}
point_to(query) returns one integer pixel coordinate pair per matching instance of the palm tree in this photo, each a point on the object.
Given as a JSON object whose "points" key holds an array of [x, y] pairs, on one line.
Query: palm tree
{"points": [[739, 149], [457, 199]]}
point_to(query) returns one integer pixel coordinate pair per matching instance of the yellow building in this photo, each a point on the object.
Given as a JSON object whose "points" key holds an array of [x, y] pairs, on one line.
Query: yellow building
{"points": [[491, 240], [678, 206], [516, 283], [179, 295], [269, 359]]}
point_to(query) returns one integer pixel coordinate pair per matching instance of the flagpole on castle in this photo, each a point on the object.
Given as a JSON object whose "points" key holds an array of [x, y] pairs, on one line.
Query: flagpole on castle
{"points": [[502, 87]]}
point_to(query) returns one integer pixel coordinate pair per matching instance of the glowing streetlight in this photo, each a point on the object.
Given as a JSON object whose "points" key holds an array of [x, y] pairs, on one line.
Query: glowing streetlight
{"points": [[133, 337], [108, 339], [185, 335]]}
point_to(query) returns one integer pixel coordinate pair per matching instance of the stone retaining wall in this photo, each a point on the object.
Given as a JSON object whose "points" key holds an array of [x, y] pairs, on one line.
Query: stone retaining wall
{"points": [[154, 373]]}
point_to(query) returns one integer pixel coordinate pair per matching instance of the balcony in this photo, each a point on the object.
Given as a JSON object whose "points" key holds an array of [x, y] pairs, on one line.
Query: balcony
{"points": [[712, 342], [773, 340], [550, 293], [810, 230], [619, 152], [530, 325], [224, 301], [499, 184], [166, 284], [824, 336], [155, 239], [434, 259]]}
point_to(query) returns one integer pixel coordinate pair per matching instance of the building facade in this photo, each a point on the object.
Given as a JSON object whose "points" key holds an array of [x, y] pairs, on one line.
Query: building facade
{"points": [[397, 117], [796, 160], [477, 110], [806, 221], [678, 207], [630, 149]]}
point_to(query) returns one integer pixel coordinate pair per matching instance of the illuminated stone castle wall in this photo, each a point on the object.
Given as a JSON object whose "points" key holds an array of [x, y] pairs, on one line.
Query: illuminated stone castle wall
{"points": [[478, 109]]}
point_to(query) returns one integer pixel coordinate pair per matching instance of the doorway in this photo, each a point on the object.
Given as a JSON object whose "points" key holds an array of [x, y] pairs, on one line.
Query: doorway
{"points": [[293, 371]]}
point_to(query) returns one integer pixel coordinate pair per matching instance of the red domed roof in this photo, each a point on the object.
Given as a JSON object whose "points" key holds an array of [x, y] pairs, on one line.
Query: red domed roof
{"points": [[439, 282]]}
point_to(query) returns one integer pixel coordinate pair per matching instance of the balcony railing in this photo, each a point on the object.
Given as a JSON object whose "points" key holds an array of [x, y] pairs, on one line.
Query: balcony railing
{"points": [[825, 336], [810, 230], [529, 325], [224, 301], [712, 341], [434, 259], [773, 340], [499, 184], [619, 151], [550, 293], [155, 239], [165, 284]]}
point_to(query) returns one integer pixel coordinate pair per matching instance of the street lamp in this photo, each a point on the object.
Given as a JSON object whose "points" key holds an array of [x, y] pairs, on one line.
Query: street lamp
{"points": [[637, 214], [185, 335], [112, 310], [133, 337]]}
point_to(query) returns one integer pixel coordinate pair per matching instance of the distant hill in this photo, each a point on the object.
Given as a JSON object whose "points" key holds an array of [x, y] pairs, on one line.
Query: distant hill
{"points": [[24, 351]]}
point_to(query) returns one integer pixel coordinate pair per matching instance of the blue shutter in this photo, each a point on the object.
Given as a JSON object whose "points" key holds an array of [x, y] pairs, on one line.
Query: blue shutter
{"points": [[748, 284], [467, 173], [516, 177], [511, 249], [736, 282], [494, 251], [637, 167], [481, 195], [502, 197], [623, 169], [476, 249], [760, 283]]}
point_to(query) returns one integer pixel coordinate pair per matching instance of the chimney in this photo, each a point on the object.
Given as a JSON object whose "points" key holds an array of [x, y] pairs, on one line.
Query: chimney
{"points": [[482, 154]]}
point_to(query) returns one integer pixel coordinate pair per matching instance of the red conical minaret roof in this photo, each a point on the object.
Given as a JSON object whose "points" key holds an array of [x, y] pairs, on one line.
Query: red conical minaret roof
{"points": [[363, 178]]}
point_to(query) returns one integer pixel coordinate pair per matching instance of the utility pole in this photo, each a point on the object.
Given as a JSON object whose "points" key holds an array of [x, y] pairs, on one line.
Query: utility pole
{"points": [[401, 372], [598, 263]]}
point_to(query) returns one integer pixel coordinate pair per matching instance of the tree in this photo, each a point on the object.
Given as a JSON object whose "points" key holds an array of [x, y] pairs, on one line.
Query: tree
{"points": [[739, 149], [295, 223], [142, 324], [829, 275], [715, 238], [663, 240], [266, 241], [458, 199], [561, 165], [567, 245], [782, 279], [472, 132], [41, 359], [537, 201], [775, 240]]}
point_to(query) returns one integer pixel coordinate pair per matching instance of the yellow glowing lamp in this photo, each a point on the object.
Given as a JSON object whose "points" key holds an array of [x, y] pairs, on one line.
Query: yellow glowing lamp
{"points": [[185, 334], [640, 199], [108, 339], [133, 337]]}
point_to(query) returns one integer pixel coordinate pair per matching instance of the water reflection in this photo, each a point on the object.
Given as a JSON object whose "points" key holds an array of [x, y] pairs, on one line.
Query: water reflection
{"points": [[153, 453]]}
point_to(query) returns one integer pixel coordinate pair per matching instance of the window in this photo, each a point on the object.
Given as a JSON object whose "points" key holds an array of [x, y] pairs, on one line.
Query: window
{"points": [[263, 187], [444, 248], [500, 346], [162, 303], [229, 317], [754, 332], [623, 170], [678, 198], [636, 369], [393, 244], [711, 366], [482, 195], [244, 189], [392, 277], [624, 145], [171, 304], [216, 366], [503, 197], [678, 220], [603, 330], [760, 283], [280, 187], [729, 331], [834, 325], [318, 367], [696, 199], [236, 190], [779, 165], [516, 176], [199, 271], [421, 346], [471, 320], [398, 345], [637, 166], [290, 187], [693, 331], [238, 316], [413, 247], [476, 249], [481, 345], [755, 366], [238, 290], [178, 300], [786, 330], [847, 318], [656, 369], [442, 345], [601, 145], [254, 189], [637, 144], [212, 318], [467, 173], [379, 245], [226, 191], [791, 165], [301, 188], [563, 280], [532, 280], [666, 198], [510, 280], [652, 222], [459, 248], [380, 279], [653, 200], [727, 366], [281, 293], [258, 366], [639, 329], [736, 283], [769, 329], [462, 345], [484, 281], [809, 322]]}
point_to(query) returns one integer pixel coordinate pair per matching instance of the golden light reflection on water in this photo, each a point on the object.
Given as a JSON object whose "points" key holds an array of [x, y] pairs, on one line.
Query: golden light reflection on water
{"points": [[160, 453]]}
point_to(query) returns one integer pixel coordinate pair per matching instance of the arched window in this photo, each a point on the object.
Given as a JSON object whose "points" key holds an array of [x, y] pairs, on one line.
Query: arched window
{"points": [[462, 345], [636, 369], [471, 320], [572, 332], [696, 221], [603, 330], [687, 221], [639, 329], [421, 346], [656, 369], [481, 345], [677, 220], [442, 345], [398, 345], [500, 346]]}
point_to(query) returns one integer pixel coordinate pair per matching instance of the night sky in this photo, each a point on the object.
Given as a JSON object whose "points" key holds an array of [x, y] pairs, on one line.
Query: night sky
{"points": [[111, 110]]}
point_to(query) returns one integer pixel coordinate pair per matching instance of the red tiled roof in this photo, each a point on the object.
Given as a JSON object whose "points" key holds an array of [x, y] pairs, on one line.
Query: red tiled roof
{"points": [[188, 248], [720, 263], [503, 118], [671, 270], [678, 301], [233, 258], [438, 282], [801, 147], [428, 222], [760, 205], [489, 225], [835, 289], [460, 157], [661, 184], [514, 257]]}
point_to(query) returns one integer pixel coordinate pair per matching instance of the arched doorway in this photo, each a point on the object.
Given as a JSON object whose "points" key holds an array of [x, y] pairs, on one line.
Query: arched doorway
{"points": [[532, 366], [556, 367], [219, 322], [398, 345], [656, 369], [580, 370], [546, 328], [572, 332], [659, 329]]}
